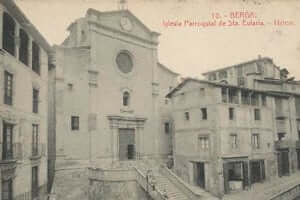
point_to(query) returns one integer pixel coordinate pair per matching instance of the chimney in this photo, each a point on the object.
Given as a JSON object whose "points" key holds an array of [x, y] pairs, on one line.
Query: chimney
{"points": [[259, 56]]}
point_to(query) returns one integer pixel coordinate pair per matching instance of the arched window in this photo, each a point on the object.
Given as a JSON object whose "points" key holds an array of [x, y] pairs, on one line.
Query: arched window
{"points": [[23, 50], [8, 38], [126, 98]]}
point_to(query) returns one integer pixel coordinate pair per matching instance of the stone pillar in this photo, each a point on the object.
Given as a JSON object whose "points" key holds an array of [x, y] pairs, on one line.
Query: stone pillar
{"points": [[140, 147], [30, 52], [240, 96], [17, 40], [114, 142], [1, 25]]}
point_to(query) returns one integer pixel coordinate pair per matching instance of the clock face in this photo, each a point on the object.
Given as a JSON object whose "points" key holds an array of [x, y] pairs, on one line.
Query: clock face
{"points": [[126, 24]]}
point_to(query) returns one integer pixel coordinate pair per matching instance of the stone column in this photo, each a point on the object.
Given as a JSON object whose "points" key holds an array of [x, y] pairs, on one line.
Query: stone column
{"points": [[17, 40], [1, 25], [30, 52]]}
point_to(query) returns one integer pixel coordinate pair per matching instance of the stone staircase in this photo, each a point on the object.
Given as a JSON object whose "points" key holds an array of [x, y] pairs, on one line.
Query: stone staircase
{"points": [[172, 192], [163, 184]]}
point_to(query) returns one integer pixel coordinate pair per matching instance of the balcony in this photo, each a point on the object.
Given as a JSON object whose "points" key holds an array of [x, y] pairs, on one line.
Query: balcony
{"points": [[280, 114], [38, 151], [9, 157], [283, 144], [281, 125], [298, 144]]}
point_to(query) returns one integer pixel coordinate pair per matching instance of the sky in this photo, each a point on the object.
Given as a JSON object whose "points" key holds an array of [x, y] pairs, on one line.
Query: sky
{"points": [[192, 50]]}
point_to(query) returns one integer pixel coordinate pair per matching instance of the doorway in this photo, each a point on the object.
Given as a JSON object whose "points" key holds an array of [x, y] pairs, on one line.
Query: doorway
{"points": [[283, 162], [7, 190], [199, 174], [257, 171], [35, 183], [126, 144]]}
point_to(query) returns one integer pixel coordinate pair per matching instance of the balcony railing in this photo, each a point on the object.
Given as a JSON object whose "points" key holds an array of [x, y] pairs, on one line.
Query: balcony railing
{"points": [[280, 114], [283, 144], [281, 126], [13, 152]]}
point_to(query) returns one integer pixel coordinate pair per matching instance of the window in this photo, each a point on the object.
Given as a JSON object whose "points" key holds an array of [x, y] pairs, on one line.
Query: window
{"points": [[263, 100], [245, 97], [8, 88], [35, 101], [233, 95], [7, 147], [126, 98], [256, 114], [203, 142], [202, 92], [233, 141], [212, 77], [254, 99], [75, 123], [35, 139], [35, 58], [231, 113], [187, 116], [223, 74], [7, 189], [204, 113], [224, 95], [281, 136], [23, 49], [124, 62], [8, 38], [255, 141], [167, 127]]}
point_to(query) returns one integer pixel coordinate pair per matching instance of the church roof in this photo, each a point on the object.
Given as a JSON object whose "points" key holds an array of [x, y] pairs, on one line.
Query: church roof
{"points": [[167, 69]]}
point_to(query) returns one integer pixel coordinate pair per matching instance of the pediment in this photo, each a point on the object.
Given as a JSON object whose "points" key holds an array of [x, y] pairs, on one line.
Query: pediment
{"points": [[112, 20]]}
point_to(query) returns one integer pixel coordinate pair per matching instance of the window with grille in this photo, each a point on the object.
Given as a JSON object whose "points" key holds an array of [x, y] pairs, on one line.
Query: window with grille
{"points": [[35, 139], [8, 88], [35, 100]]}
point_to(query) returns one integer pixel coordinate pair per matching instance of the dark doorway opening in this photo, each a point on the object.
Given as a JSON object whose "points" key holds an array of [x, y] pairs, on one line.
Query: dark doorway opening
{"points": [[257, 171], [283, 162], [199, 174], [7, 190], [235, 175], [35, 183], [126, 144]]}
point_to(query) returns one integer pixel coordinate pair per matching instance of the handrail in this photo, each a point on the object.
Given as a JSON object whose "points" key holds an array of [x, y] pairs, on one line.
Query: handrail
{"points": [[180, 183], [159, 196], [282, 193]]}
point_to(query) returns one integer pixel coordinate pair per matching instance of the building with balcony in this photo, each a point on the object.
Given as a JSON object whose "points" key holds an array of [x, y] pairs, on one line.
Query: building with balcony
{"points": [[24, 57], [110, 91], [237, 127]]}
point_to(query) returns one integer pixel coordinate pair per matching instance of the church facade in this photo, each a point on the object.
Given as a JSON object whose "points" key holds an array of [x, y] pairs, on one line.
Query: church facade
{"points": [[109, 90]]}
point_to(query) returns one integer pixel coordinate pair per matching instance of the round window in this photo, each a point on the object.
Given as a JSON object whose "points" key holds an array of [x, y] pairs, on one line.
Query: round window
{"points": [[124, 62]]}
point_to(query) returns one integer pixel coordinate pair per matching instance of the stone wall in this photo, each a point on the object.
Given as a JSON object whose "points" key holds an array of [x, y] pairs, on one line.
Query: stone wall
{"points": [[116, 191]]}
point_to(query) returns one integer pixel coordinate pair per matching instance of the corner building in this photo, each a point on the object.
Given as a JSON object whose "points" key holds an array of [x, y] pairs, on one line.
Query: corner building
{"points": [[24, 57], [237, 127]]}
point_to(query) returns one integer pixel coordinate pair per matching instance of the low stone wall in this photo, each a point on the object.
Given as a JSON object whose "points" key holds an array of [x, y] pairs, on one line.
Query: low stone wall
{"points": [[112, 190]]}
